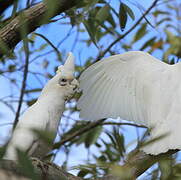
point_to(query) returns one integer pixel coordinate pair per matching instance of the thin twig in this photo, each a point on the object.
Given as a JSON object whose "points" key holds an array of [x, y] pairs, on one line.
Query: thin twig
{"points": [[51, 44], [25, 73], [89, 127], [130, 30], [79, 132], [123, 124]]}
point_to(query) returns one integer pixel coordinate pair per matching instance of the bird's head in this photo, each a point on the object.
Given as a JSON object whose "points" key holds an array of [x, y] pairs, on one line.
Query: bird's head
{"points": [[64, 81], [66, 72]]}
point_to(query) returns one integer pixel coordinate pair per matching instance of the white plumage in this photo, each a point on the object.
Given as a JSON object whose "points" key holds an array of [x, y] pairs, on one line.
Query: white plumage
{"points": [[135, 86], [45, 114]]}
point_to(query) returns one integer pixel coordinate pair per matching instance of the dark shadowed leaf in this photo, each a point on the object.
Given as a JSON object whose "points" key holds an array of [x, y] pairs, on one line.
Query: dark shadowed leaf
{"points": [[91, 31], [2, 151], [129, 11], [122, 16], [31, 102]]}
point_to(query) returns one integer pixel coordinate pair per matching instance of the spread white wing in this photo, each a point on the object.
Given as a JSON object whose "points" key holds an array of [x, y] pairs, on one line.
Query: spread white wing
{"points": [[117, 87], [138, 87]]}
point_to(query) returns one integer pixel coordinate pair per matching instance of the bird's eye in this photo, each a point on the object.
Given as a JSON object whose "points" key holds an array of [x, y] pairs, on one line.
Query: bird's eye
{"points": [[63, 80]]}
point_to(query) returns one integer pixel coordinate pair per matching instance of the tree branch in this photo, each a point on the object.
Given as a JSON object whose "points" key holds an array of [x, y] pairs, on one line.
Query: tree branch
{"points": [[138, 161], [25, 74], [127, 32], [78, 133], [33, 17], [11, 170]]}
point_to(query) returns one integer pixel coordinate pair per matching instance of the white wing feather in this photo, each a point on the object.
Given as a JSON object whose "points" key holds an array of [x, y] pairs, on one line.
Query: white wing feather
{"points": [[133, 86]]}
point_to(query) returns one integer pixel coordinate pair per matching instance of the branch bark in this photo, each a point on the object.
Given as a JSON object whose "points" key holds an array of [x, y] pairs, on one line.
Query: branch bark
{"points": [[33, 17], [10, 170], [136, 164]]}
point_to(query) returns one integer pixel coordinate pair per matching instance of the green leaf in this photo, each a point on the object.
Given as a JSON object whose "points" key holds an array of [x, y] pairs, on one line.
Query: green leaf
{"points": [[72, 16], [148, 43], [129, 11], [31, 102], [91, 29], [46, 136], [156, 13], [110, 19], [103, 14], [163, 20], [177, 171], [140, 33], [122, 16], [26, 166], [33, 90], [76, 127], [165, 166], [82, 173], [11, 68], [42, 47], [2, 151], [92, 136]]}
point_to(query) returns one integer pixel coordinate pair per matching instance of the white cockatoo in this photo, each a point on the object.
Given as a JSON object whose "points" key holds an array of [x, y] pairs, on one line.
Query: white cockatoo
{"points": [[135, 86], [45, 114]]}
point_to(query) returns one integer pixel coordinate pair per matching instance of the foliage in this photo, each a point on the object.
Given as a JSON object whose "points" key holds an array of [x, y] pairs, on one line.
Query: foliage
{"points": [[90, 27]]}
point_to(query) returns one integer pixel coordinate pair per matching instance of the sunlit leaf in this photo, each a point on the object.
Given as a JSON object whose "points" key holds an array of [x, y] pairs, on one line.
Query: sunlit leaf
{"points": [[33, 90], [140, 33], [111, 20], [163, 20], [45, 136], [156, 13], [148, 43], [102, 14], [122, 172], [91, 31], [92, 136], [165, 166]]}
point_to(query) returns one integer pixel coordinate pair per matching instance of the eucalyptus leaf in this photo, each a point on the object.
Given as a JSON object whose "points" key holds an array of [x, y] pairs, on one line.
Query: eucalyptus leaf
{"points": [[140, 33], [122, 16]]}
